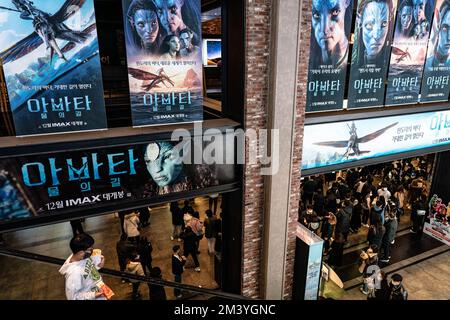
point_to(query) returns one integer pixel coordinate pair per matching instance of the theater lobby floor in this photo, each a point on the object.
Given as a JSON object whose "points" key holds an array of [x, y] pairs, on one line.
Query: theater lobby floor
{"points": [[30, 280]]}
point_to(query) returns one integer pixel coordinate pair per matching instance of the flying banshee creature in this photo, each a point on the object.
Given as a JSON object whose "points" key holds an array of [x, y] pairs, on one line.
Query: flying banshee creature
{"points": [[154, 79], [402, 54], [353, 142], [47, 28]]}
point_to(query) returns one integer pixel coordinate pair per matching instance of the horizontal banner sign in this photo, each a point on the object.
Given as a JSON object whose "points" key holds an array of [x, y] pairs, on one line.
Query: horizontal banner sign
{"points": [[341, 142], [46, 184]]}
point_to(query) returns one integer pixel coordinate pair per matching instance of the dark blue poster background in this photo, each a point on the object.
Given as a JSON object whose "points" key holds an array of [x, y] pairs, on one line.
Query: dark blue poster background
{"points": [[409, 49], [435, 81], [50, 57], [33, 186], [371, 51]]}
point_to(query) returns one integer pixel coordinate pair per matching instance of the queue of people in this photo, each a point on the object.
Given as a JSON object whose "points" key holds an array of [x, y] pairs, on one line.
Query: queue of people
{"points": [[373, 199]]}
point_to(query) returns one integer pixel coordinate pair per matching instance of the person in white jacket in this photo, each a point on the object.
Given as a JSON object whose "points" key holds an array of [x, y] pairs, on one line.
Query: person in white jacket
{"points": [[131, 226], [81, 271]]}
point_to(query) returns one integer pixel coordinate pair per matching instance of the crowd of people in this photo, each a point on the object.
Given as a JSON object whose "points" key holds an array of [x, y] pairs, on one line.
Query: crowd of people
{"points": [[372, 199], [134, 251]]}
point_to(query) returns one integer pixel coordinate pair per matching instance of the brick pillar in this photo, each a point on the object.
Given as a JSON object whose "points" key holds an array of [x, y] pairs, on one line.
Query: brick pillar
{"points": [[258, 265], [302, 79], [257, 49]]}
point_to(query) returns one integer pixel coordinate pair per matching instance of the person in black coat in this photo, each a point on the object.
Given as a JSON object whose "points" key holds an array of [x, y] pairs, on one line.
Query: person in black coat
{"points": [[156, 292], [177, 220], [124, 249], [187, 208], [344, 216], [376, 232], [77, 228], [319, 202], [383, 292], [190, 246], [337, 251], [419, 205], [218, 232], [122, 215], [144, 216], [145, 253], [178, 262], [355, 222]]}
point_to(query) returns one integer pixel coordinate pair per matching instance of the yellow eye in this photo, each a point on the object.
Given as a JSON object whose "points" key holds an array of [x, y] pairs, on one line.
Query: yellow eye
{"points": [[369, 26], [316, 15], [384, 24]]}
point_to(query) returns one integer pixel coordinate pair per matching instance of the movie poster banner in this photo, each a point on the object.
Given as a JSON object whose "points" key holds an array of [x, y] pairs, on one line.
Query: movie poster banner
{"points": [[330, 30], [409, 49], [438, 230], [50, 56], [347, 141], [371, 51], [49, 184], [435, 81], [164, 54]]}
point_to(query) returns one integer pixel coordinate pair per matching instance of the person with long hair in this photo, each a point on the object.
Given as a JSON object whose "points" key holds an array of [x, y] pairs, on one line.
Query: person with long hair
{"points": [[171, 47], [143, 33], [405, 20]]}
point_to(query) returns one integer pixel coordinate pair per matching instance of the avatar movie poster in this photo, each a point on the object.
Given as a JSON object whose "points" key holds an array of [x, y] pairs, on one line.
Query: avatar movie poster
{"points": [[164, 54], [80, 180], [50, 56], [409, 50], [371, 51], [337, 143], [330, 30], [435, 81]]}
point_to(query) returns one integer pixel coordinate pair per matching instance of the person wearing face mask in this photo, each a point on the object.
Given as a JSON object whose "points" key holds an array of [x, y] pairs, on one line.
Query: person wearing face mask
{"points": [[384, 194], [83, 281], [310, 219]]}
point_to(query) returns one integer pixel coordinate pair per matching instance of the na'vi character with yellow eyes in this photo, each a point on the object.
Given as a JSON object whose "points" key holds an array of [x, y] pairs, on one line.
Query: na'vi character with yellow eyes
{"points": [[375, 18]]}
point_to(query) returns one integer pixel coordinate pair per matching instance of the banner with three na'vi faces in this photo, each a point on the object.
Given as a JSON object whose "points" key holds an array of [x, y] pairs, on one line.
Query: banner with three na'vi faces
{"points": [[164, 54]]}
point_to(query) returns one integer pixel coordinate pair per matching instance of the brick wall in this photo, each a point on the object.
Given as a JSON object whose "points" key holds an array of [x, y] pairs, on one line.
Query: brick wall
{"points": [[302, 78], [212, 27], [256, 90]]}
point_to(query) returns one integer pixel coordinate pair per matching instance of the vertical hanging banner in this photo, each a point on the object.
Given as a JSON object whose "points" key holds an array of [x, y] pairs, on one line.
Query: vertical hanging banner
{"points": [[435, 81], [50, 56], [409, 51], [163, 41], [330, 30], [370, 56]]}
